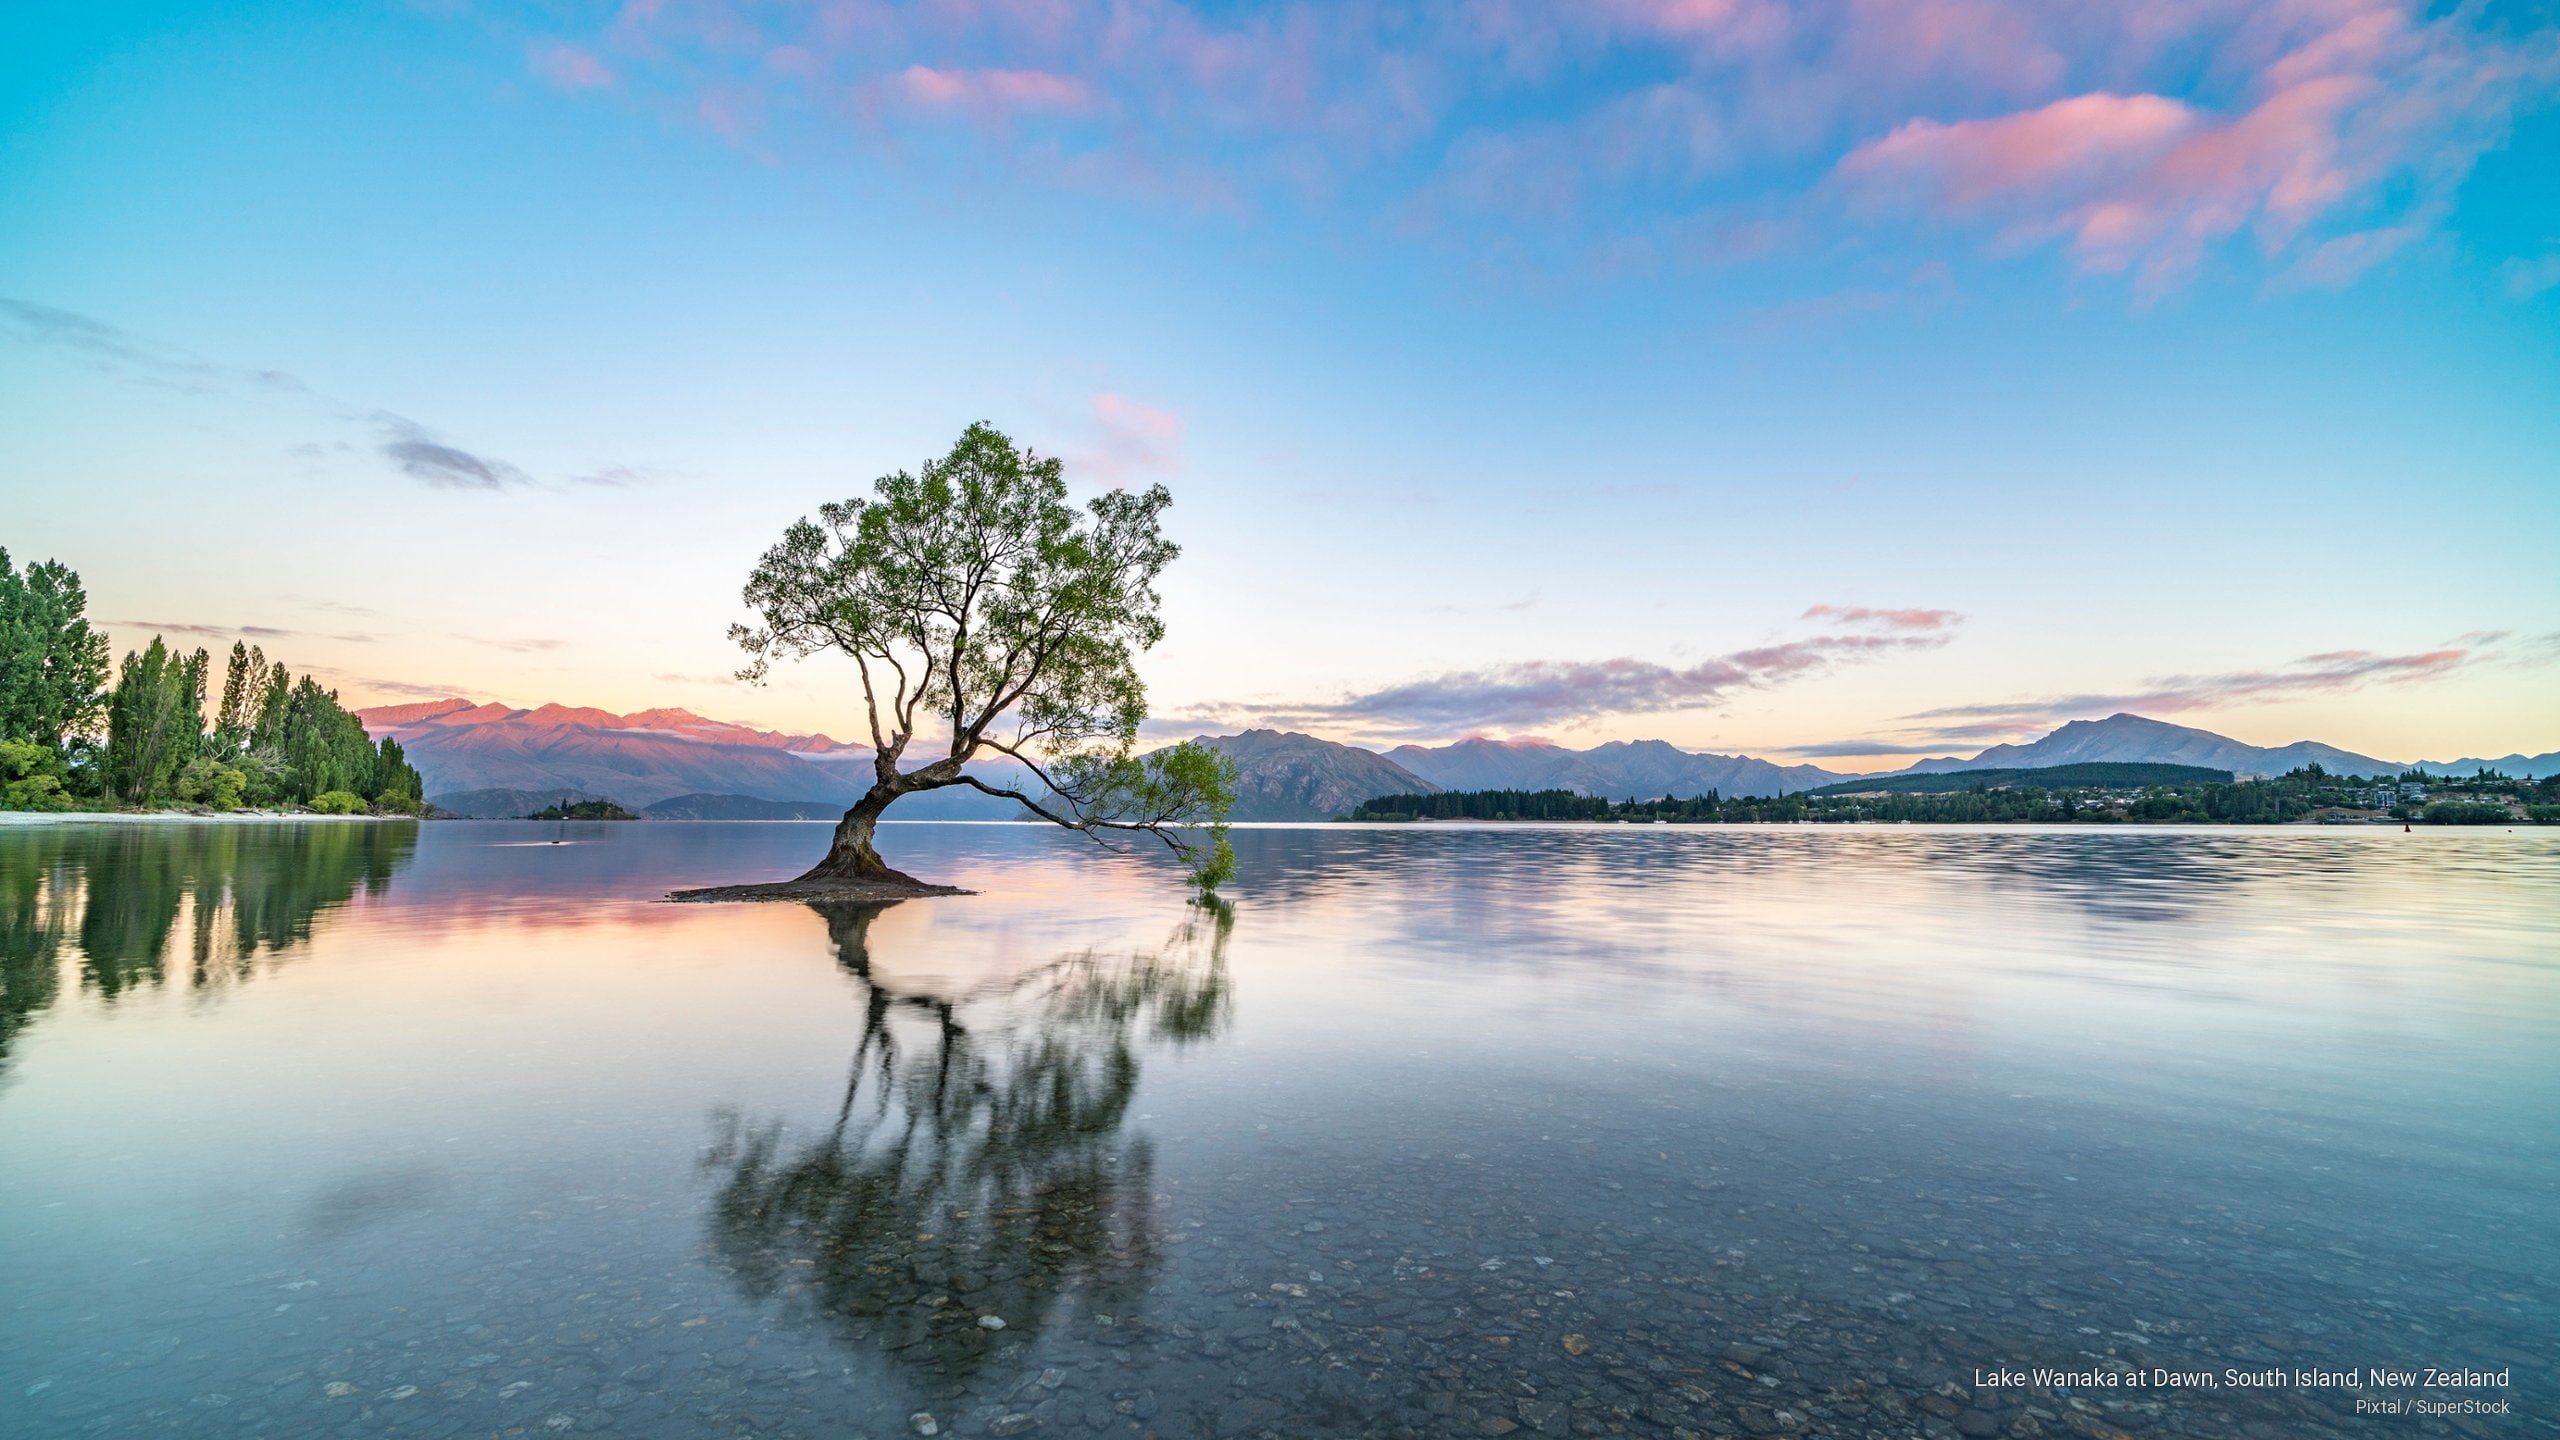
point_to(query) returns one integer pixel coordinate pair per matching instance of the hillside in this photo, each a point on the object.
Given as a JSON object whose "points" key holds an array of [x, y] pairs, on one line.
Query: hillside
{"points": [[1647, 769], [502, 803], [2519, 765], [636, 759], [2135, 739], [739, 807], [1288, 776], [1482, 764]]}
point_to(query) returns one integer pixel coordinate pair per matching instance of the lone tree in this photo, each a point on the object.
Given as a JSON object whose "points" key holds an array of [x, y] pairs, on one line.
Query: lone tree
{"points": [[985, 612]]}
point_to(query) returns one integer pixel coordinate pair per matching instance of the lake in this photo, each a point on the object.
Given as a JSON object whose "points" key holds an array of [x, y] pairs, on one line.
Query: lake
{"points": [[446, 1130]]}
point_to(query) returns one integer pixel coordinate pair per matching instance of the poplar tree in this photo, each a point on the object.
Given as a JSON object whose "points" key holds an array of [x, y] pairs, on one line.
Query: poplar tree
{"points": [[53, 666]]}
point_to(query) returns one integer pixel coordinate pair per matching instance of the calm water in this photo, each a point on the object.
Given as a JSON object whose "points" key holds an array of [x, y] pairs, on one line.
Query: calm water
{"points": [[446, 1130]]}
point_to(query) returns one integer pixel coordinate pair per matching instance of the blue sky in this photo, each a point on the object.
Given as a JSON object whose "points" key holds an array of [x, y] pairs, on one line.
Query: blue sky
{"points": [[1626, 368]]}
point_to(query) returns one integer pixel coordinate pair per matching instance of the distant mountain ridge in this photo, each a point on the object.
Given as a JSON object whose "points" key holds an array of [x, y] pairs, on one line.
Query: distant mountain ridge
{"points": [[2519, 764], [635, 760], [484, 759], [1619, 770], [1282, 775], [2136, 739]]}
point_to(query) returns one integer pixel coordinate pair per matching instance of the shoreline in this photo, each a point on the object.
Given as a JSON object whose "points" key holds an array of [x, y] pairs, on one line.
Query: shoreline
{"points": [[181, 817]]}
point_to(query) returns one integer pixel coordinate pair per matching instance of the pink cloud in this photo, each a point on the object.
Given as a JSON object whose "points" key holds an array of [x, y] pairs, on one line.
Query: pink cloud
{"points": [[733, 112], [1130, 440], [2340, 100], [2327, 673], [2137, 138], [994, 91], [1524, 695], [569, 67], [1959, 166], [1906, 619]]}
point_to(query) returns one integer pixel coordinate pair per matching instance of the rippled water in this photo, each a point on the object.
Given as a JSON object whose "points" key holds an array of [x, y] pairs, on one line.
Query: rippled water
{"points": [[390, 1130]]}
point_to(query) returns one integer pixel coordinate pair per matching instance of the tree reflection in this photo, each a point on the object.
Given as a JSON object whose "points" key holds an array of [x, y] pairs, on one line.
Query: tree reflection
{"points": [[119, 898], [978, 1165]]}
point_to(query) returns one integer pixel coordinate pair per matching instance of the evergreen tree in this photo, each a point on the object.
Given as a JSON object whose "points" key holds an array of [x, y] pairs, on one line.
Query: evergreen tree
{"points": [[244, 685], [53, 667], [155, 722]]}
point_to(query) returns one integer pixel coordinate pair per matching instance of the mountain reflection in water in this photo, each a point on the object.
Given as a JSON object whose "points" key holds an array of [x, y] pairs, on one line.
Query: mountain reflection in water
{"points": [[980, 1169]]}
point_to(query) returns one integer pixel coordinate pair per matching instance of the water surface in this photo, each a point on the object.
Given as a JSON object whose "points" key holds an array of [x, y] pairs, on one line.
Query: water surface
{"points": [[452, 1130]]}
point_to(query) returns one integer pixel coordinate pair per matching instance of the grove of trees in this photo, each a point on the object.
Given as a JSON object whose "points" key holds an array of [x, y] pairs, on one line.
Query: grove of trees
{"points": [[70, 739]]}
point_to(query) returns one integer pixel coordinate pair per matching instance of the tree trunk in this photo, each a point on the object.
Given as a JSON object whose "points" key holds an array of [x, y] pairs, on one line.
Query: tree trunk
{"points": [[851, 856]]}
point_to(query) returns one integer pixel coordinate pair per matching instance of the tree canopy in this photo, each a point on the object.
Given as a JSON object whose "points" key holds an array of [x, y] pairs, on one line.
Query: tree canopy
{"points": [[987, 615], [53, 667]]}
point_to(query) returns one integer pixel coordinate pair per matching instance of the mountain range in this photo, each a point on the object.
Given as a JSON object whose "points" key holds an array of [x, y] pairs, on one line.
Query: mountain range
{"points": [[1621, 769], [2156, 742], [486, 760], [634, 759]]}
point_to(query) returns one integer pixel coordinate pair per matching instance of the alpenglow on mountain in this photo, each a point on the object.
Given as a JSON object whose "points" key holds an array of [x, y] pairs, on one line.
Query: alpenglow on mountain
{"points": [[633, 760]]}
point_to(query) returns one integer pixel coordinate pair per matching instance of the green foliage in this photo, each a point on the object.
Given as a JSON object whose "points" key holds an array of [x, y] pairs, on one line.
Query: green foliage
{"points": [[2009, 798], [974, 598], [155, 723], [1183, 793], [338, 802], [211, 783], [245, 681], [275, 740], [31, 777], [2107, 774], [2465, 812], [583, 810], [53, 667], [1488, 805]]}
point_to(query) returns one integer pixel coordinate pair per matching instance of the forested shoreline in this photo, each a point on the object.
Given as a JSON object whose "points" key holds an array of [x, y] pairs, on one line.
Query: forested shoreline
{"points": [[2306, 795], [149, 733]]}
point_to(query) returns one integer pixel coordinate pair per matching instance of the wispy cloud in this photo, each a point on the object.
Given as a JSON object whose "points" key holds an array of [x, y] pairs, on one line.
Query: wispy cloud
{"points": [[423, 458], [522, 647], [411, 449], [2529, 277], [994, 93], [2324, 135], [242, 632], [1835, 749], [568, 66], [2327, 673], [379, 686], [1526, 694], [1905, 619], [130, 357], [1130, 441], [2344, 109]]}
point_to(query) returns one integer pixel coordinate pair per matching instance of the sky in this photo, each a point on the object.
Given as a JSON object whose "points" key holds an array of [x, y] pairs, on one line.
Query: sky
{"points": [[1843, 380]]}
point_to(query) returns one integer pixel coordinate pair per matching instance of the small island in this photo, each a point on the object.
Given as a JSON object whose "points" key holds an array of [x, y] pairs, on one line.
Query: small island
{"points": [[582, 810]]}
